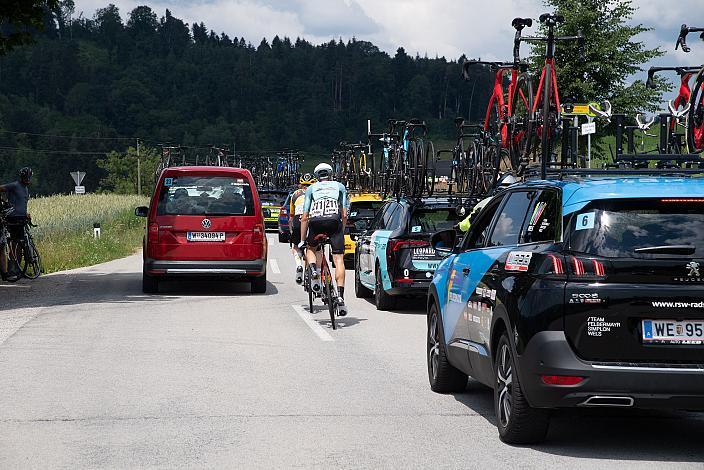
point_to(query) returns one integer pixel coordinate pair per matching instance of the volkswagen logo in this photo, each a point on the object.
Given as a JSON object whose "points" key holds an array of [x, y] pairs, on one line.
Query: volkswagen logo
{"points": [[206, 223]]}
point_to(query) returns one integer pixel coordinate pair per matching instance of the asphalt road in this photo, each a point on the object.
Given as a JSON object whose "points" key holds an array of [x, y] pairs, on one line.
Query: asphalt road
{"points": [[95, 374]]}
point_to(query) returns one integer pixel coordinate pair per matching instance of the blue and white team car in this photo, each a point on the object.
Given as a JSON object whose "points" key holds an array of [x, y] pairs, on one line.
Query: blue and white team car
{"points": [[575, 292], [393, 257]]}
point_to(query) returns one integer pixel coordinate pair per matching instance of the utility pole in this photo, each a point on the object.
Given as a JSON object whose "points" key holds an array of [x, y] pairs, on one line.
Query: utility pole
{"points": [[139, 172]]}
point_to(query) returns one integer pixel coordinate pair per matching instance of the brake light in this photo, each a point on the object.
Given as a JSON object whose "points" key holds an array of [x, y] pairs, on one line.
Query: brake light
{"points": [[395, 245], [258, 233], [556, 264], [153, 235], [586, 267], [564, 380]]}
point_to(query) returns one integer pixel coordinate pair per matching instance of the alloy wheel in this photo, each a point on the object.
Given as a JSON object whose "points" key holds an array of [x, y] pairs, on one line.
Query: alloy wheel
{"points": [[504, 378], [433, 346]]}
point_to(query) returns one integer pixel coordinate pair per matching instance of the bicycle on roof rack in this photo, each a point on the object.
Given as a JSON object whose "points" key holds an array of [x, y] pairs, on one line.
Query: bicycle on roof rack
{"points": [[384, 174], [695, 113]]}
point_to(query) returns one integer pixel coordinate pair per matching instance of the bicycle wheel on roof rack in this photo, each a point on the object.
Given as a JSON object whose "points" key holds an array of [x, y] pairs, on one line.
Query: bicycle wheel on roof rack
{"points": [[419, 165], [430, 165], [521, 123], [695, 116]]}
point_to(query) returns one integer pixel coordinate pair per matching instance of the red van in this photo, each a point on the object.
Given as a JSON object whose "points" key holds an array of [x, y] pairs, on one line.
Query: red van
{"points": [[204, 222]]}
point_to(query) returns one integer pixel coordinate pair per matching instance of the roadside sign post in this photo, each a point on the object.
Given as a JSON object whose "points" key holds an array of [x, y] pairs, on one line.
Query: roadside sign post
{"points": [[589, 128], [77, 177]]}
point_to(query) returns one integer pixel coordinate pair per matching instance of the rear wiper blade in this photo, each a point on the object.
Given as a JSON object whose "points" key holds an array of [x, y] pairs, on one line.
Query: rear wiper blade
{"points": [[668, 249]]}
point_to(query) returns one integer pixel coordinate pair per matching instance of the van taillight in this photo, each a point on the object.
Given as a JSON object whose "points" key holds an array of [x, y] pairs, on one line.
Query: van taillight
{"points": [[258, 233], [586, 267], [153, 236]]}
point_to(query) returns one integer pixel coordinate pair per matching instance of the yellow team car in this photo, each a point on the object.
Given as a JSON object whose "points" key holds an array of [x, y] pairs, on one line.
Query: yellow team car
{"points": [[272, 200], [363, 209]]}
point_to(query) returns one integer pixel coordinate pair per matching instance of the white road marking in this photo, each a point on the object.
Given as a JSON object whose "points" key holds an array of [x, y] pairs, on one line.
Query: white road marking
{"points": [[274, 266], [312, 324], [272, 240]]}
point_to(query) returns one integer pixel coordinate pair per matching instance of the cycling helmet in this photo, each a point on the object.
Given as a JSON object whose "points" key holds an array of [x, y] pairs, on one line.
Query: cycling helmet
{"points": [[25, 173], [323, 171], [307, 180]]}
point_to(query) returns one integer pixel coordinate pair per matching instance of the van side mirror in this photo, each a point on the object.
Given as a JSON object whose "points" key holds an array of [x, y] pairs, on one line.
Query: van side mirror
{"points": [[141, 211], [444, 242]]}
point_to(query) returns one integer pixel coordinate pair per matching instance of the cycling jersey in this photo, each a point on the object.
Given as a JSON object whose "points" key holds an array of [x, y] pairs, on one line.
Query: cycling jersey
{"points": [[325, 200], [324, 203]]}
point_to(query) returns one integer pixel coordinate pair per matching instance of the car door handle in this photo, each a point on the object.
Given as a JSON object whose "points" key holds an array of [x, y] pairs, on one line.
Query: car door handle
{"points": [[465, 271]]}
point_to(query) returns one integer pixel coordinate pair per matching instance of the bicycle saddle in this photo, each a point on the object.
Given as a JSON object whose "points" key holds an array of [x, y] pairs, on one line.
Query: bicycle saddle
{"points": [[551, 19], [520, 23]]}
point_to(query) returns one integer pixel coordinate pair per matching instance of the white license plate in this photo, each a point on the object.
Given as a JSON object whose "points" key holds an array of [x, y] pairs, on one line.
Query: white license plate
{"points": [[205, 236], [672, 331]]}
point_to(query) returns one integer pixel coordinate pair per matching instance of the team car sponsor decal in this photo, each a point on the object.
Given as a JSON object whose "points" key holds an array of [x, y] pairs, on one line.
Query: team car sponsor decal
{"points": [[486, 293], [518, 261], [668, 304], [537, 214], [598, 326]]}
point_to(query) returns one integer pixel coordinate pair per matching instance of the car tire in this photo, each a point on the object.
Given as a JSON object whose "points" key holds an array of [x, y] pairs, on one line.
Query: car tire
{"points": [[283, 237], [258, 284], [517, 421], [443, 376], [360, 291], [150, 284], [382, 300]]}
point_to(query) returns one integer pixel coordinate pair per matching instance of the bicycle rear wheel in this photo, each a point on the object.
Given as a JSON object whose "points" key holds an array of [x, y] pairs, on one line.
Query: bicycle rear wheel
{"points": [[329, 293], [695, 116], [430, 163]]}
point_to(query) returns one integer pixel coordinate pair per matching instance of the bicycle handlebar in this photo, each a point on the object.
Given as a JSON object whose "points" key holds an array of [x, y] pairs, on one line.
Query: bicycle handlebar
{"points": [[682, 38], [681, 71], [468, 63]]}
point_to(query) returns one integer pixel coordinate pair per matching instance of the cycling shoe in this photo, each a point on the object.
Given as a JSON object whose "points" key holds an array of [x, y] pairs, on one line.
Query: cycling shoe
{"points": [[315, 283], [341, 307], [299, 275]]}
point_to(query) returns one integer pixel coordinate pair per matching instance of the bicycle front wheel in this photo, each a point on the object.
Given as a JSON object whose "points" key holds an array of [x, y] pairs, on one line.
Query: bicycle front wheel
{"points": [[521, 136], [31, 262]]}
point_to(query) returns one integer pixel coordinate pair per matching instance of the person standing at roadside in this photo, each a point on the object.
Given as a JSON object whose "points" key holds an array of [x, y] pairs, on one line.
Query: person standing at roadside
{"points": [[18, 196]]}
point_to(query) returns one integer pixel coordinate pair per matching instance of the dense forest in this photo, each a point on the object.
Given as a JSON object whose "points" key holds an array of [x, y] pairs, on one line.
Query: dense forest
{"points": [[109, 80]]}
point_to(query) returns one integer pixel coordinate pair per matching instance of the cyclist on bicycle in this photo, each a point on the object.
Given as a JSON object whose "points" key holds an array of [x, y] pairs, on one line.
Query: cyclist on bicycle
{"points": [[18, 197], [325, 212], [296, 211]]}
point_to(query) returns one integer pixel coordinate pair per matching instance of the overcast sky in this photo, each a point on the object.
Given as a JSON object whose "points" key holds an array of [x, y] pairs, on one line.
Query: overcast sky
{"points": [[477, 28]]}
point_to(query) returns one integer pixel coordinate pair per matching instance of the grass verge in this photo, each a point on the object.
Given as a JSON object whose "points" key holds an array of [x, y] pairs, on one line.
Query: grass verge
{"points": [[65, 233]]}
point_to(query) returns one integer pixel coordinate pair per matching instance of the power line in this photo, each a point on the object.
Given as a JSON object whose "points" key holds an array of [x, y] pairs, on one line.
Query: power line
{"points": [[67, 136], [66, 152]]}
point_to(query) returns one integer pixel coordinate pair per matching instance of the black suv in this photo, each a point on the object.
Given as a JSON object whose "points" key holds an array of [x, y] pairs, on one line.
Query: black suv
{"points": [[574, 293]]}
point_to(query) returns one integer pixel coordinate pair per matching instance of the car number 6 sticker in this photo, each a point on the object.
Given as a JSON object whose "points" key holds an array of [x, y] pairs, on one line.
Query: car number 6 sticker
{"points": [[585, 221]]}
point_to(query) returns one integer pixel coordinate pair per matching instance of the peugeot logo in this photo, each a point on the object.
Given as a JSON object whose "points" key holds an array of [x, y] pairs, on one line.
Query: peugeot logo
{"points": [[693, 267], [206, 223]]}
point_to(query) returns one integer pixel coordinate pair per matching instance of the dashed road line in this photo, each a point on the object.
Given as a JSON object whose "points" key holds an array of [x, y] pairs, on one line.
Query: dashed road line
{"points": [[312, 324], [274, 266]]}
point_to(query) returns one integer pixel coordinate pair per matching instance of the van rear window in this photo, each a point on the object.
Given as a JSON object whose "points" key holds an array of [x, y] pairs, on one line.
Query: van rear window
{"points": [[205, 195], [632, 228]]}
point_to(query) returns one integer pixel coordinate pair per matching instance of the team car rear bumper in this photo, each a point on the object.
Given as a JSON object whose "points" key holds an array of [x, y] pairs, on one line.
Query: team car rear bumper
{"points": [[415, 287], [234, 269], [671, 386]]}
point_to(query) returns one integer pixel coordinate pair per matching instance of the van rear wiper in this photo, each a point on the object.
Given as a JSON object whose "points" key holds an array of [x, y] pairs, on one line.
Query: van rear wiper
{"points": [[668, 249]]}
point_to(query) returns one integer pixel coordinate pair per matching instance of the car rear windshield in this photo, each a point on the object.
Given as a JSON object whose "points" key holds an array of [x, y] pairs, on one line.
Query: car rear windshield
{"points": [[275, 199], [205, 195], [617, 228], [433, 220], [365, 209]]}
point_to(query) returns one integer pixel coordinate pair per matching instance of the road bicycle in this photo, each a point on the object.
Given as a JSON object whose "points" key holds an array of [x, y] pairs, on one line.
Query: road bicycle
{"points": [[383, 181], [30, 261], [328, 290], [695, 115], [413, 169], [11, 249], [501, 110], [537, 120]]}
